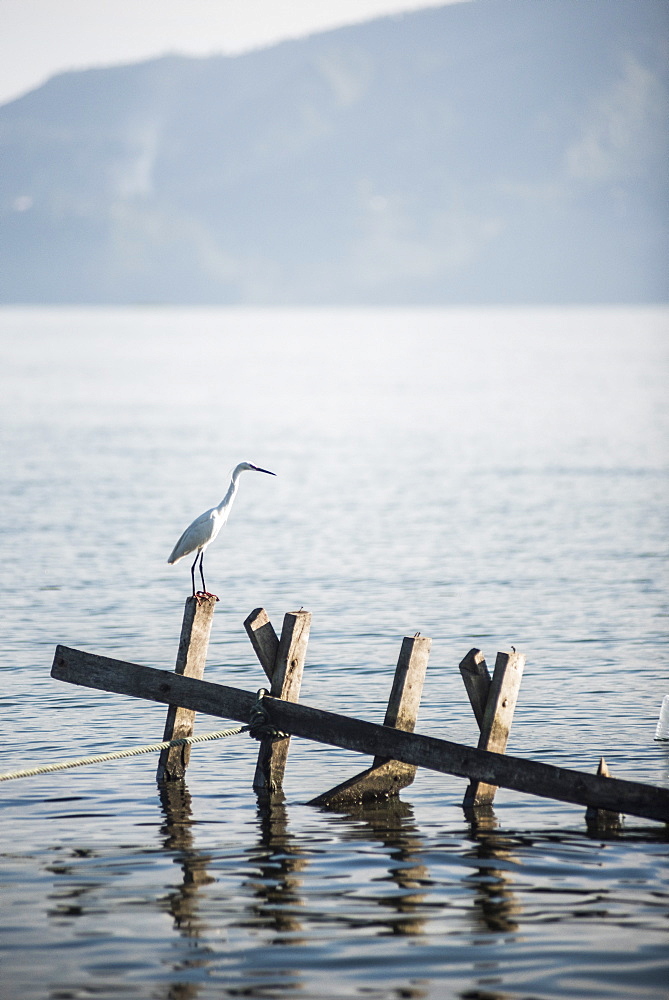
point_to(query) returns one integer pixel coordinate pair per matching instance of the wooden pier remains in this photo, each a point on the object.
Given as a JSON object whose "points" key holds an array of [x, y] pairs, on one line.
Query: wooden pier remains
{"points": [[397, 750]]}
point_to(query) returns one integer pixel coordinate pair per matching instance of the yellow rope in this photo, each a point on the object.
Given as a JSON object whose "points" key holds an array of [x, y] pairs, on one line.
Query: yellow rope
{"points": [[117, 755]]}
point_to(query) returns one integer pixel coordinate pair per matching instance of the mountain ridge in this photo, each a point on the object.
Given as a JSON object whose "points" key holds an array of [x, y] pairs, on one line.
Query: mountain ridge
{"points": [[500, 151]]}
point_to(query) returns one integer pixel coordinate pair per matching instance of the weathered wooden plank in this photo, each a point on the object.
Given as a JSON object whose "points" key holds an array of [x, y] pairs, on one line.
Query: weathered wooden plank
{"points": [[264, 639], [533, 777], [497, 719], [191, 661], [120, 677], [389, 777], [286, 682], [476, 676]]}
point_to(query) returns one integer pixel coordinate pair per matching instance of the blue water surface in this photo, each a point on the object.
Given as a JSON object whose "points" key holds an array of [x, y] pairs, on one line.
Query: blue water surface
{"points": [[487, 477]]}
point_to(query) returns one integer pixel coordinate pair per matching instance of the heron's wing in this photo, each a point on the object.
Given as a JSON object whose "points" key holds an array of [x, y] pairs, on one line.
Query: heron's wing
{"points": [[197, 534]]}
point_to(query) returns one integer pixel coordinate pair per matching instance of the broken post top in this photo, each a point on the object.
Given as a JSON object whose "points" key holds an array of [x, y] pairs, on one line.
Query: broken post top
{"points": [[290, 655], [269, 649], [263, 638], [476, 676]]}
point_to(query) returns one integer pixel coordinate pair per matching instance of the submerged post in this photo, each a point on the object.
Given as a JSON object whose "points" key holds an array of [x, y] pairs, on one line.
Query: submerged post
{"points": [[601, 821], [286, 681], [497, 718], [387, 777], [191, 660]]}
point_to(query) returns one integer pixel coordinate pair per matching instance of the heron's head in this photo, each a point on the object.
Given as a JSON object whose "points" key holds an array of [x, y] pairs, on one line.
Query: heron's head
{"points": [[247, 467]]}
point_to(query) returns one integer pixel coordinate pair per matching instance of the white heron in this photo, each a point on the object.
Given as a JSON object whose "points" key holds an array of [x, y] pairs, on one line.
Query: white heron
{"points": [[204, 528]]}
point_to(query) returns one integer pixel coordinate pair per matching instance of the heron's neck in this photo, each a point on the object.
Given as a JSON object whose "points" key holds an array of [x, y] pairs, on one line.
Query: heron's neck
{"points": [[230, 495]]}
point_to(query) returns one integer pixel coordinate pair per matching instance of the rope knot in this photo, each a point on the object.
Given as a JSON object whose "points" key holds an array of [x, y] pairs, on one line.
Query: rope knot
{"points": [[260, 725]]}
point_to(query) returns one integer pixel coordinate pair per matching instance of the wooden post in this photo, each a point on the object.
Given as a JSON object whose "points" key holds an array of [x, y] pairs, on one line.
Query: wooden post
{"points": [[476, 676], [286, 681], [387, 777], [103, 673], [497, 719], [191, 660], [602, 820], [263, 639]]}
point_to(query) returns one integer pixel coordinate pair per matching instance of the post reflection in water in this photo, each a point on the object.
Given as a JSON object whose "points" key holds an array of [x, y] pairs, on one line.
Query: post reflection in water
{"points": [[280, 906], [391, 823], [495, 902], [279, 860], [182, 902]]}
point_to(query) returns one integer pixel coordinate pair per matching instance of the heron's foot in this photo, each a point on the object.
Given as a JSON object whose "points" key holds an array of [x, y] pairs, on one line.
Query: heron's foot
{"points": [[204, 595]]}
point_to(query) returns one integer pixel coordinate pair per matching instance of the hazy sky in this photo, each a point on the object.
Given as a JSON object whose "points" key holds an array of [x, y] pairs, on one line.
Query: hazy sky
{"points": [[41, 37]]}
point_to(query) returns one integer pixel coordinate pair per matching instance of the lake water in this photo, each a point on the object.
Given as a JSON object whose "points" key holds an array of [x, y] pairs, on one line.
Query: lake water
{"points": [[486, 477]]}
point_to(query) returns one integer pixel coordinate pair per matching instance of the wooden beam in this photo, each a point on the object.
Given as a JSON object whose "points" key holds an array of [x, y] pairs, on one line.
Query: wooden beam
{"points": [[388, 777], [546, 780], [191, 661], [264, 639], [497, 718], [286, 682]]}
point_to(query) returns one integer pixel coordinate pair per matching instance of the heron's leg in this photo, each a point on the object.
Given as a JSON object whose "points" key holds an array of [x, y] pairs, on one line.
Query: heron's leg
{"points": [[192, 572], [204, 586]]}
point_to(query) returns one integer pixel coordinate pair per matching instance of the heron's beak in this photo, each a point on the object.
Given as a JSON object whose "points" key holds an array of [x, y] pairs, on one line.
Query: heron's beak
{"points": [[256, 469]]}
